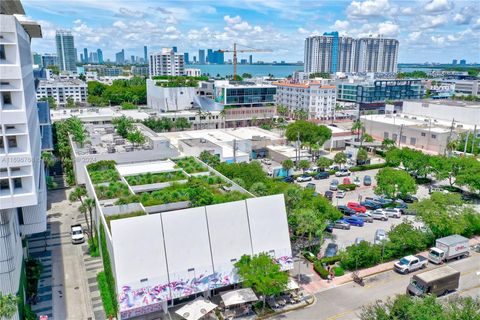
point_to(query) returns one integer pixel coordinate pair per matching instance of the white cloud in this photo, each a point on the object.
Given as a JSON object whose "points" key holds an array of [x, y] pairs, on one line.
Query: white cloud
{"points": [[171, 29], [407, 11], [434, 22], [414, 36], [368, 8], [340, 25], [302, 31], [440, 40], [388, 28], [120, 24], [438, 6], [465, 15], [232, 20], [242, 26]]}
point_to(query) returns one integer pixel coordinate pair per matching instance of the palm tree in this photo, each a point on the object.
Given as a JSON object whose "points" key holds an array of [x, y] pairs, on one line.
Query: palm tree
{"points": [[77, 195], [48, 161], [200, 114], [8, 305], [223, 114], [357, 127], [88, 205]]}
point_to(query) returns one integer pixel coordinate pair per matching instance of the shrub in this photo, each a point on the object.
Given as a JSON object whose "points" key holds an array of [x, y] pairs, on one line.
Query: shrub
{"points": [[150, 178], [331, 260], [112, 191], [347, 187], [93, 247], [123, 216], [309, 256], [368, 167], [338, 271], [322, 272], [107, 299], [190, 165], [111, 306]]}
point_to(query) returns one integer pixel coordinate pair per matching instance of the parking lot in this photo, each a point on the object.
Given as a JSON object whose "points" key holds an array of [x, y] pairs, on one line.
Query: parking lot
{"points": [[344, 238]]}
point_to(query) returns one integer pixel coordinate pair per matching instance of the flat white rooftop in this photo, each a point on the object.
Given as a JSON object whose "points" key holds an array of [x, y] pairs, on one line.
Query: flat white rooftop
{"points": [[131, 169], [96, 114]]}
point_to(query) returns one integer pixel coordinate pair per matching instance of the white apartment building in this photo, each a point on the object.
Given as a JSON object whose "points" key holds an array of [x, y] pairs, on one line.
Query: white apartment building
{"points": [[313, 97], [61, 90], [166, 63], [376, 54], [193, 72], [22, 180], [464, 87]]}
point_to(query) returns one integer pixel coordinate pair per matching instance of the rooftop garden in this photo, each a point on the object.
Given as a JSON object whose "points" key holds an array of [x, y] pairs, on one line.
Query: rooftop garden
{"points": [[149, 178], [123, 216], [190, 165], [103, 171], [113, 190], [199, 191], [178, 81]]}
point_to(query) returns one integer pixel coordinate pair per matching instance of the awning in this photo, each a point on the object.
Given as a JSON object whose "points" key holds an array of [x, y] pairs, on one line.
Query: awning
{"points": [[292, 285], [238, 297], [196, 309]]}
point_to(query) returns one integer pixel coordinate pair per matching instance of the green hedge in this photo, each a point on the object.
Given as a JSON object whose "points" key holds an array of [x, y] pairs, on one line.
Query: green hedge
{"points": [[347, 187], [331, 260], [111, 306], [322, 272], [309, 256], [338, 271], [107, 299], [368, 167]]}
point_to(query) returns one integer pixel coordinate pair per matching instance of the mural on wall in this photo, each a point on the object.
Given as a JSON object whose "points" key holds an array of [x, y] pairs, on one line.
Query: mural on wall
{"points": [[285, 262]]}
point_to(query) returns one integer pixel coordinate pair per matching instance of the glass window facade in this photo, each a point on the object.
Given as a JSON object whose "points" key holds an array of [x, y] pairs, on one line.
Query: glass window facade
{"points": [[250, 95], [380, 91]]}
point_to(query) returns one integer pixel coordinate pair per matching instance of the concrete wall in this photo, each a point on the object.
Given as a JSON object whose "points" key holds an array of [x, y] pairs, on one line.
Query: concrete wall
{"points": [[169, 99], [464, 114]]}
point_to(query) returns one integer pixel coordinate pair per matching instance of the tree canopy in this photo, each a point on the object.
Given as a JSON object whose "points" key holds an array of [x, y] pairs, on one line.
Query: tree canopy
{"points": [[308, 132], [391, 181], [132, 90]]}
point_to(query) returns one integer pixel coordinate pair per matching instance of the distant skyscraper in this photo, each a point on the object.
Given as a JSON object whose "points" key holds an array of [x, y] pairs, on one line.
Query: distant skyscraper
{"points": [[210, 57], [37, 59], [332, 53], [219, 57], [85, 55], [174, 49], [201, 56], [50, 60], [82, 59], [132, 59], [250, 59], [76, 55], [100, 56], [243, 61], [194, 59], [120, 57], [145, 55], [454, 62], [463, 62], [185, 58], [66, 50]]}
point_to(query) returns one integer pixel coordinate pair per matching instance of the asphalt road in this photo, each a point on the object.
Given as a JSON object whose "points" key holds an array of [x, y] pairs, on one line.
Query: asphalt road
{"points": [[345, 302]]}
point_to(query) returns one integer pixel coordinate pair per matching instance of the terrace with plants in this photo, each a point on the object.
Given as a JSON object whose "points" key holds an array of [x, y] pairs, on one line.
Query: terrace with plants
{"points": [[151, 178], [190, 165]]}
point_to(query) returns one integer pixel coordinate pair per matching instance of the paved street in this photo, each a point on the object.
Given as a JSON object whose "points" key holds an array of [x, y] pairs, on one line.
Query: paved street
{"points": [[344, 302], [63, 290]]}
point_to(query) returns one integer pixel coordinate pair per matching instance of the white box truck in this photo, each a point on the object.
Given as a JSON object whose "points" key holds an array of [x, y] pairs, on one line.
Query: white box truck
{"points": [[449, 248]]}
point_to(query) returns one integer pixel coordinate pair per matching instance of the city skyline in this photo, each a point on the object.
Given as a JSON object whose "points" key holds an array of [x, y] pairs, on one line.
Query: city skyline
{"points": [[434, 31]]}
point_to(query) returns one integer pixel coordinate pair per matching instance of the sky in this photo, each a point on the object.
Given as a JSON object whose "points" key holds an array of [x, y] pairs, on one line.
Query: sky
{"points": [[428, 30]]}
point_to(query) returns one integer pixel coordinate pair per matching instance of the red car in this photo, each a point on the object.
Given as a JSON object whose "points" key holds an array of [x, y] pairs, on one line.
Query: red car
{"points": [[346, 181], [356, 207]]}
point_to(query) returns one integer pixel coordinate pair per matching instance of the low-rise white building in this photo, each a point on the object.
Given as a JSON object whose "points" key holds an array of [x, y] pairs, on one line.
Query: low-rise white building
{"points": [[193, 72], [315, 98], [61, 90], [165, 99], [166, 63], [460, 111]]}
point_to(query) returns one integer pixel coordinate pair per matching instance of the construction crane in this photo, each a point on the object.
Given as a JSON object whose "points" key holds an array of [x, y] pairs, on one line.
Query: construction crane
{"points": [[235, 56]]}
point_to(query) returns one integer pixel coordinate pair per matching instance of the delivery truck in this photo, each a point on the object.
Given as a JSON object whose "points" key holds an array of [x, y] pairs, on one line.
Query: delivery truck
{"points": [[448, 248], [438, 282]]}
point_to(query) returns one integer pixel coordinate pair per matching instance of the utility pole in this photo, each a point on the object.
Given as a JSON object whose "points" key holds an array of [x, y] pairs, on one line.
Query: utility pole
{"points": [[400, 137], [466, 143], [298, 147], [234, 150], [449, 139], [473, 138]]}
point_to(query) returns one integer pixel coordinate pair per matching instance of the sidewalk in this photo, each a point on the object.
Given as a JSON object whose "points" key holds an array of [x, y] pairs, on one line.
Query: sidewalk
{"points": [[315, 284]]}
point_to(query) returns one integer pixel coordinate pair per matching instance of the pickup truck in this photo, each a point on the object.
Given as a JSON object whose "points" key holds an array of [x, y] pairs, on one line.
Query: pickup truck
{"points": [[410, 263], [76, 232]]}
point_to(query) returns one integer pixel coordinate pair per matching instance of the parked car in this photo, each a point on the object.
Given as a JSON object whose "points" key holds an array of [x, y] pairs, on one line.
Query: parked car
{"points": [[310, 186], [354, 221], [331, 250], [342, 173], [366, 217], [380, 235], [347, 181], [334, 167], [370, 205], [266, 161], [393, 212], [379, 214], [356, 181], [432, 189], [288, 179], [346, 210], [410, 263], [341, 224], [311, 170], [341, 194], [358, 240], [322, 175], [329, 228], [334, 185], [356, 206], [367, 181], [329, 195], [382, 201], [76, 233], [304, 178], [407, 198]]}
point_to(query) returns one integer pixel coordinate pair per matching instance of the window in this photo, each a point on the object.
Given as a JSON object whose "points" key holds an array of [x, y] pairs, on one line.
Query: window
{"points": [[2, 145], [12, 142], [423, 134], [385, 135], [17, 183], [20, 216], [434, 136], [413, 141], [2, 52], [4, 184], [6, 97]]}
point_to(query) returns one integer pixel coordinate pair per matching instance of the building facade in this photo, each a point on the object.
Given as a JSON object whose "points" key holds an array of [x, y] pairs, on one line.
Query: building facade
{"points": [[333, 53], [312, 97], [120, 57], [66, 51], [62, 90], [166, 63], [49, 60], [193, 72], [139, 71], [22, 177]]}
